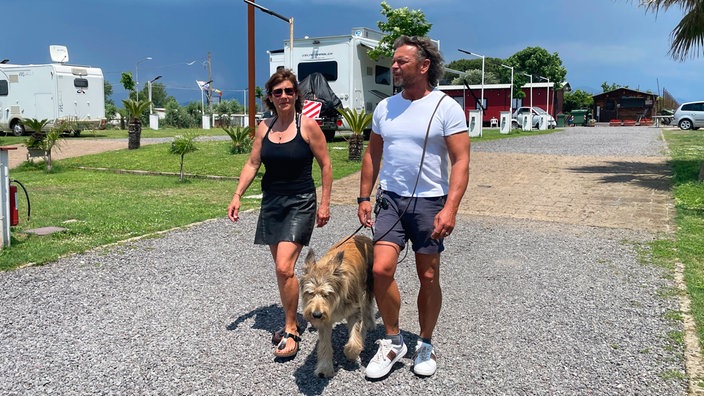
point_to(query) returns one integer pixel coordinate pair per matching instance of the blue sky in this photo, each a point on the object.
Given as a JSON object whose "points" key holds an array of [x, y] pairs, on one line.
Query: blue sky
{"points": [[612, 41]]}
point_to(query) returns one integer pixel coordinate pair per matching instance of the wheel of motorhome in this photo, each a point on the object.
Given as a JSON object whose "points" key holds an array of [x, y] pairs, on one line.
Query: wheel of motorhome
{"points": [[17, 128]]}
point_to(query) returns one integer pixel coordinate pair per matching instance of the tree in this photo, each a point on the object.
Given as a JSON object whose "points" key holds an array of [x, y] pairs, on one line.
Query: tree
{"points": [[128, 83], [536, 61], [259, 94], [688, 35], [606, 87], [159, 95], [110, 107], [493, 73], [135, 109], [577, 100], [400, 21], [358, 122], [183, 145]]}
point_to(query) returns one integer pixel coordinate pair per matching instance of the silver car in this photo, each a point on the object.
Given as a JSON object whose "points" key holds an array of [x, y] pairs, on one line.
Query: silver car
{"points": [[690, 115]]}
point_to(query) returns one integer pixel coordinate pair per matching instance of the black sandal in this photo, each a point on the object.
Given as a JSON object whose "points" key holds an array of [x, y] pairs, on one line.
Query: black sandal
{"points": [[279, 334], [282, 345]]}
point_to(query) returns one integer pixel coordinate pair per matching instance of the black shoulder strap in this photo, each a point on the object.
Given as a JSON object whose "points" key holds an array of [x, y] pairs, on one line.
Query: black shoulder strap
{"points": [[271, 125]]}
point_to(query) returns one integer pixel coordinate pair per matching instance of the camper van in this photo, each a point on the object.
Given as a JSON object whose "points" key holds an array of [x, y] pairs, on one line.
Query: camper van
{"points": [[358, 81], [54, 92]]}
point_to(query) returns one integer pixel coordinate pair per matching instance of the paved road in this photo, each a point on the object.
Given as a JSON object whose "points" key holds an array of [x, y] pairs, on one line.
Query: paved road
{"points": [[534, 302]]}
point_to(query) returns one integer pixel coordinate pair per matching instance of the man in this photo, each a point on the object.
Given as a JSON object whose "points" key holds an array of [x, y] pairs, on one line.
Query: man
{"points": [[423, 178]]}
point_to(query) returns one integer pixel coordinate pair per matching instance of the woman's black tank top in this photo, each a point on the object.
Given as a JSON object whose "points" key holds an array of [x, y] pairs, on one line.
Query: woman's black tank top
{"points": [[287, 165]]}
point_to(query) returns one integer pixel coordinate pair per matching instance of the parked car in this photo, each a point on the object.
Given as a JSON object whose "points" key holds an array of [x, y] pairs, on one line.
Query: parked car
{"points": [[537, 112], [690, 115]]}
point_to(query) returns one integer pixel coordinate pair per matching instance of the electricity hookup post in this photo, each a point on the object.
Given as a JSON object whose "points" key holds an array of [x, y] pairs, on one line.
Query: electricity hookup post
{"points": [[153, 118], [5, 194], [482, 107]]}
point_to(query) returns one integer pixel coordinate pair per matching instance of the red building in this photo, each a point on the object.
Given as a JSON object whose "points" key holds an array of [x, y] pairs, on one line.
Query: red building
{"points": [[497, 98]]}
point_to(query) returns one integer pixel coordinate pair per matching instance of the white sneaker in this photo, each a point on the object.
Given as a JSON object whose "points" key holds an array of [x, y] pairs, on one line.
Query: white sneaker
{"points": [[424, 361], [385, 358]]}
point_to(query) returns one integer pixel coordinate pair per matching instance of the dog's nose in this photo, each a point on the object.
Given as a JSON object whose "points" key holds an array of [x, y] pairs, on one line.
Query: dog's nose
{"points": [[317, 315]]}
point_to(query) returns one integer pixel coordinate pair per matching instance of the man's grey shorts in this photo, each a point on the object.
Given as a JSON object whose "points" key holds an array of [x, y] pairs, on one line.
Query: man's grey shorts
{"points": [[402, 218]]}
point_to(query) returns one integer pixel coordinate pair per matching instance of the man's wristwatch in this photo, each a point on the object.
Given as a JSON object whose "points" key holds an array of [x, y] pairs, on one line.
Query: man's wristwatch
{"points": [[362, 199]]}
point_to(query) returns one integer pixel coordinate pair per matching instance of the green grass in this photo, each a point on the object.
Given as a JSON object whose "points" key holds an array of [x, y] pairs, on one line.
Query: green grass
{"points": [[99, 208], [687, 152]]}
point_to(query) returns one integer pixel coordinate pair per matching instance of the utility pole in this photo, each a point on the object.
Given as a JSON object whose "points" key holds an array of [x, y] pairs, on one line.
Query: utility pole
{"points": [[210, 87]]}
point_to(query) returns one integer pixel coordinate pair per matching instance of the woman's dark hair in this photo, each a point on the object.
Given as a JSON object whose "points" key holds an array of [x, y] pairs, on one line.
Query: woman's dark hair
{"points": [[427, 49], [276, 79]]}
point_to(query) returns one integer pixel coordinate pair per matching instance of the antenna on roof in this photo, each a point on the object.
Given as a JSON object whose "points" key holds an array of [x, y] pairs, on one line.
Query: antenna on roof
{"points": [[58, 53]]}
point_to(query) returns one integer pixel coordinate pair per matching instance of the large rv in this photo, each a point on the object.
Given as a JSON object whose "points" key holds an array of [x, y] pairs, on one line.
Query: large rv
{"points": [[54, 92], [359, 81]]}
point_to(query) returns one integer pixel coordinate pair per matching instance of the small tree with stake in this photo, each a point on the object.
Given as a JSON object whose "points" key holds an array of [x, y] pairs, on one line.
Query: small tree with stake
{"points": [[183, 145]]}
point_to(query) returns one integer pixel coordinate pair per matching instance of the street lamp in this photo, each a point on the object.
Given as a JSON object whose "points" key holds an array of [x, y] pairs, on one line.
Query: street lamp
{"points": [[251, 65], [479, 56], [283, 18], [547, 98], [149, 84], [136, 75], [510, 103]]}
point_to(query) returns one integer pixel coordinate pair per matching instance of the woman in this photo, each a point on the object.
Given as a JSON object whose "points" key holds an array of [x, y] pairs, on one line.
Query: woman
{"points": [[286, 144]]}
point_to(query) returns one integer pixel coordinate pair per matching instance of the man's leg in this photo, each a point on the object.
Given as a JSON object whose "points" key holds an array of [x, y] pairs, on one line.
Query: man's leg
{"points": [[429, 294], [429, 305], [386, 293], [388, 300]]}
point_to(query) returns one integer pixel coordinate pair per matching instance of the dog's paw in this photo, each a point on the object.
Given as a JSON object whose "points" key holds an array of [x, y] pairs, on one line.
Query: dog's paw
{"points": [[352, 352], [324, 369]]}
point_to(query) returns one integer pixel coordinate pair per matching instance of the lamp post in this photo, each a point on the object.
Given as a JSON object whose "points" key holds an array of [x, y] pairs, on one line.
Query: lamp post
{"points": [[136, 76], [547, 97], [250, 33], [283, 18], [149, 84], [479, 56], [510, 103]]}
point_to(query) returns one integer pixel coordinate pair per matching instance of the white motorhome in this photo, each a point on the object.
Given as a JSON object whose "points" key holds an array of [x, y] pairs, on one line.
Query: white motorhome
{"points": [[54, 92], [359, 81]]}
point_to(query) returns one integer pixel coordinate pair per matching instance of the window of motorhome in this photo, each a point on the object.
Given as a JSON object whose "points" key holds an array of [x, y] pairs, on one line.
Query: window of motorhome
{"points": [[327, 69], [382, 75], [4, 91], [80, 83]]}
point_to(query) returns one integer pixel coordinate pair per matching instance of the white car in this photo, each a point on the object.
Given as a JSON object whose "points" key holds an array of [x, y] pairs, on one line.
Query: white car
{"points": [[537, 112], [690, 115]]}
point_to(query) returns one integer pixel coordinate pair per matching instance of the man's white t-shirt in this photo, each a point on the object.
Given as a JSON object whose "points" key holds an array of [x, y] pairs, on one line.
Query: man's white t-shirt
{"points": [[402, 124]]}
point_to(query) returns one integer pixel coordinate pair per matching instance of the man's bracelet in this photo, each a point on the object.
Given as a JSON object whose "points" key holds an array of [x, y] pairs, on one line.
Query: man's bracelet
{"points": [[362, 199]]}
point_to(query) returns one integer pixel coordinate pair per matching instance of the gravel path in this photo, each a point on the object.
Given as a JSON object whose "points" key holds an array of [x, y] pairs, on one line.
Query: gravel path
{"points": [[530, 307]]}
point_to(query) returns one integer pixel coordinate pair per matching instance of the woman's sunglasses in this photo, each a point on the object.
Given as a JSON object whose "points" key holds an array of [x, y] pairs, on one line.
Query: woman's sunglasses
{"points": [[279, 91]]}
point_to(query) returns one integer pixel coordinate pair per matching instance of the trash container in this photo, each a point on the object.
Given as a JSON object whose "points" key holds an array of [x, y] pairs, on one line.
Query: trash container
{"points": [[580, 117], [560, 120]]}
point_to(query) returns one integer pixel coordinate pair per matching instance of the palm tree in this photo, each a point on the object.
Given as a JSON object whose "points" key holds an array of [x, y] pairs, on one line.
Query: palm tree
{"points": [[183, 145], [358, 122], [688, 35], [135, 108]]}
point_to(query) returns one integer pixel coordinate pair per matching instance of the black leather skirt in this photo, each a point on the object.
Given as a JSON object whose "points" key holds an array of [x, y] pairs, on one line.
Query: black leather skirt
{"points": [[288, 218]]}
